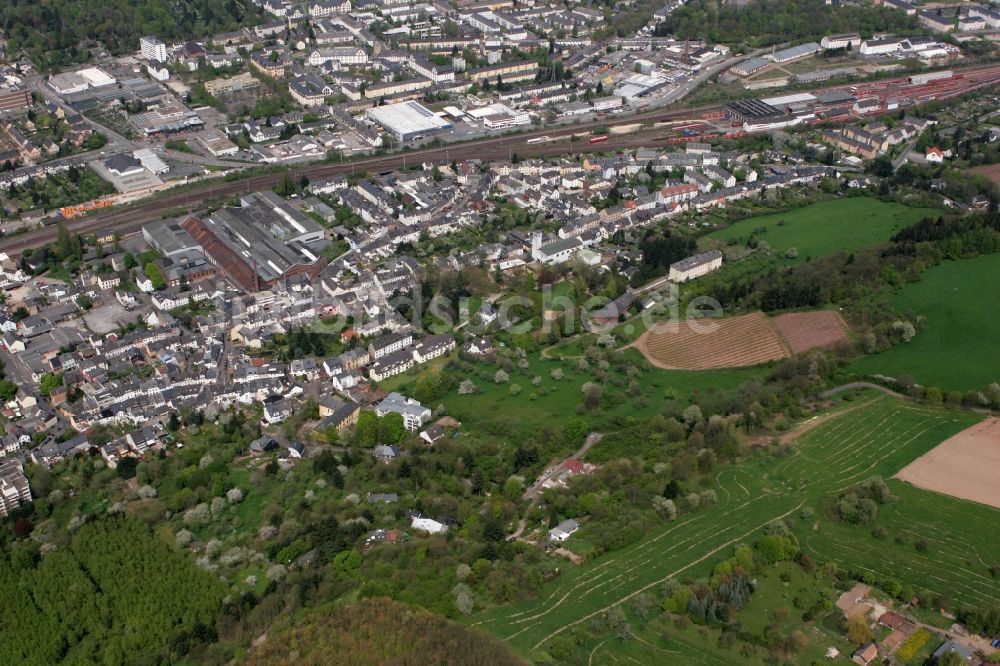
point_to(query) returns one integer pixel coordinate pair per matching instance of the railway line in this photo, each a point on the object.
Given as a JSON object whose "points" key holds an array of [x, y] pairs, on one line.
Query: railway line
{"points": [[542, 143]]}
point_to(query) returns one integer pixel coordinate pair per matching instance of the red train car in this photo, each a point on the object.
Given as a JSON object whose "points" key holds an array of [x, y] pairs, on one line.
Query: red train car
{"points": [[598, 139]]}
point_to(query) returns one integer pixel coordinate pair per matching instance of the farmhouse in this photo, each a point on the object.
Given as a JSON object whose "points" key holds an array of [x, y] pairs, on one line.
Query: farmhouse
{"points": [[696, 266]]}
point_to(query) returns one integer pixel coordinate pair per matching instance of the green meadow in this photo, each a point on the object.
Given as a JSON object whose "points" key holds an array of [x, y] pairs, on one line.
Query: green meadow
{"points": [[839, 225], [957, 345]]}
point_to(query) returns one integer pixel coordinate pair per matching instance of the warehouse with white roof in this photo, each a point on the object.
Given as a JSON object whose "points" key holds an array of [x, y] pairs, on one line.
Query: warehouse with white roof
{"points": [[408, 120]]}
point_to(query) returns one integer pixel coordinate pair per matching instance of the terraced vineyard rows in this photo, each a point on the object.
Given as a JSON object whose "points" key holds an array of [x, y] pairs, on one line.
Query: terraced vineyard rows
{"points": [[725, 343], [876, 439]]}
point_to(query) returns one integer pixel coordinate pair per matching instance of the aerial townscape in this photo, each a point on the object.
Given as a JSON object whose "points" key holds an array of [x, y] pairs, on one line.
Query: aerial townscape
{"points": [[500, 332]]}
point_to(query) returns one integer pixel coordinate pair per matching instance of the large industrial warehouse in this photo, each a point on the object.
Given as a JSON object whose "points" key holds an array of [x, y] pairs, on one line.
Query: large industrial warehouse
{"points": [[408, 120], [260, 242]]}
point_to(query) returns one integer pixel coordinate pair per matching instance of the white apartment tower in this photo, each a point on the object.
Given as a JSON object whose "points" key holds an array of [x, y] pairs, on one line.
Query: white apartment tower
{"points": [[153, 48]]}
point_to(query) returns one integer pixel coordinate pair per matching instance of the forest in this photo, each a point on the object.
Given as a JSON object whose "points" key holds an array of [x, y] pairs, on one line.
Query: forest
{"points": [[113, 592], [51, 33], [768, 22]]}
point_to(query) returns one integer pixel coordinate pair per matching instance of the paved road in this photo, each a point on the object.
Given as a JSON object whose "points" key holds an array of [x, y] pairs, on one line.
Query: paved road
{"points": [[899, 161], [535, 491]]}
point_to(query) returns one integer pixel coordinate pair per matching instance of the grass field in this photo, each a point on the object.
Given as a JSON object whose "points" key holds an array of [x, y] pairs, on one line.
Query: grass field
{"points": [[844, 224], [877, 437], [555, 400], [957, 346]]}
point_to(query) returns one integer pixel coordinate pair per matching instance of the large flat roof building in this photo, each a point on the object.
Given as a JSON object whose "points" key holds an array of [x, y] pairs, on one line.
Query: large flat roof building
{"points": [[408, 120], [169, 238], [751, 110], [261, 241]]}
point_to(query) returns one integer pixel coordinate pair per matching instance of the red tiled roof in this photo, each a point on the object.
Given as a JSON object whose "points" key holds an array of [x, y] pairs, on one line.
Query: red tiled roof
{"points": [[891, 619], [228, 260]]}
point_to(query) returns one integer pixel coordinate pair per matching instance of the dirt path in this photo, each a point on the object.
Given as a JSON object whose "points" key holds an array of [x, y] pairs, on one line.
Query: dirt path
{"points": [[815, 422], [860, 385]]}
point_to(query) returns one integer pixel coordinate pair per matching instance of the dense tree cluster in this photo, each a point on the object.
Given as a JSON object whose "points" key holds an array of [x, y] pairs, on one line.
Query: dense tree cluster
{"points": [[661, 250], [115, 592], [52, 32], [768, 22]]}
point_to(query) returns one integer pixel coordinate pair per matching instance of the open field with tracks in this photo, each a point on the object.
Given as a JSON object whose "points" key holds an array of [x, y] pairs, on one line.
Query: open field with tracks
{"points": [[705, 344], [878, 438]]}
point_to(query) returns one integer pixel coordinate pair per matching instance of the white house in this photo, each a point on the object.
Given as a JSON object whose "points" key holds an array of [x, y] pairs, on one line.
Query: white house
{"points": [[841, 41], [563, 530], [872, 47], [433, 346], [428, 525], [414, 414]]}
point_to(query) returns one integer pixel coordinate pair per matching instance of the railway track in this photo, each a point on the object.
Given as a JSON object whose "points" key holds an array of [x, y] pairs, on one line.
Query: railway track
{"points": [[130, 218]]}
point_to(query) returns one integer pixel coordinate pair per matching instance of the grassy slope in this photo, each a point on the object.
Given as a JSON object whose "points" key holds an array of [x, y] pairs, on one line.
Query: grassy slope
{"points": [[843, 224], [877, 439], [565, 395], [957, 348]]}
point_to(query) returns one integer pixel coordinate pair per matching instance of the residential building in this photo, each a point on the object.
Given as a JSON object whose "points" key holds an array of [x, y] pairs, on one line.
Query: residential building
{"points": [[14, 489], [695, 266], [153, 48], [563, 530], [414, 414]]}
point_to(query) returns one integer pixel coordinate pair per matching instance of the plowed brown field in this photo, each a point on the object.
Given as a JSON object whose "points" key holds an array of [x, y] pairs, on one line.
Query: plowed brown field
{"points": [[735, 342], [807, 330], [706, 344], [962, 466]]}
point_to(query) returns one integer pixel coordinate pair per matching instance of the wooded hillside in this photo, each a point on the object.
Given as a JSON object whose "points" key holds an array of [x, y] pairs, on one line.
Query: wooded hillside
{"points": [[381, 631]]}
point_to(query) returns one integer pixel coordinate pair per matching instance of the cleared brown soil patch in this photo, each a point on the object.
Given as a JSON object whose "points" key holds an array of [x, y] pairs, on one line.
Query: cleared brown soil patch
{"points": [[962, 466], [718, 343], [807, 330], [991, 171]]}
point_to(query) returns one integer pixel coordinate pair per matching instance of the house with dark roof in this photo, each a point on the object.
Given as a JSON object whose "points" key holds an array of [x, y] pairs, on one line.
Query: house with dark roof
{"points": [[432, 433]]}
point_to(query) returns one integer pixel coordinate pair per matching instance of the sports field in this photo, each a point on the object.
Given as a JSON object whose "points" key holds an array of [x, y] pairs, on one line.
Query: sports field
{"points": [[844, 224], [876, 438], [956, 349]]}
